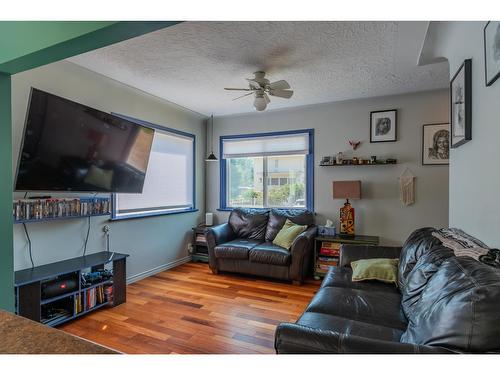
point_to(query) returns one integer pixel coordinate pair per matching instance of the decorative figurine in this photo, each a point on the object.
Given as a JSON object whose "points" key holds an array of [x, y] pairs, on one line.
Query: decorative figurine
{"points": [[354, 144], [339, 158]]}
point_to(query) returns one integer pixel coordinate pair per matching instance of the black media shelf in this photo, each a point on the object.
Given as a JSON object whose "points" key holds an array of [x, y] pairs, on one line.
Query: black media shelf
{"points": [[28, 287]]}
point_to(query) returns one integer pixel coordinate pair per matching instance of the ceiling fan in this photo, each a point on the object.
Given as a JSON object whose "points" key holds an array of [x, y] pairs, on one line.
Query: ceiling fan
{"points": [[262, 88]]}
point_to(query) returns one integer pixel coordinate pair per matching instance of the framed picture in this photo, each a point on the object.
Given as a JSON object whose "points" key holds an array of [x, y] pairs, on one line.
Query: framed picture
{"points": [[492, 51], [460, 106], [436, 144], [383, 126]]}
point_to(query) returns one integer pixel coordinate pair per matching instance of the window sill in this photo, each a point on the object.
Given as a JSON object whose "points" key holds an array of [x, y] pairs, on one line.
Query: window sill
{"points": [[265, 208], [151, 214]]}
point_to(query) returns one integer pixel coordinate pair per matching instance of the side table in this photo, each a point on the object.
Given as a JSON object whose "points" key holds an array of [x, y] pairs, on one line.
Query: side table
{"points": [[327, 250]]}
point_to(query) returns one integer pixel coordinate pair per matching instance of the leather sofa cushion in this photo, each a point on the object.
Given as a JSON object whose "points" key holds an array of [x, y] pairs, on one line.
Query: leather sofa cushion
{"points": [[341, 277], [427, 265], [459, 308], [418, 243], [249, 223], [277, 218], [236, 249], [348, 326], [269, 253], [377, 308]]}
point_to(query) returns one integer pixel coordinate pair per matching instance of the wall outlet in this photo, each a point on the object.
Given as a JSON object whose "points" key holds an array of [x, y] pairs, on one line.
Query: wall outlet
{"points": [[190, 248]]}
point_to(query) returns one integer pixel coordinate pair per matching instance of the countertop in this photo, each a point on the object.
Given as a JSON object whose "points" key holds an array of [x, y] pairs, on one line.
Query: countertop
{"points": [[19, 335]]}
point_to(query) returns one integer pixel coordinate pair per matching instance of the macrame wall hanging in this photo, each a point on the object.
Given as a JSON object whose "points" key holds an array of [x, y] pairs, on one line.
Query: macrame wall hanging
{"points": [[407, 187]]}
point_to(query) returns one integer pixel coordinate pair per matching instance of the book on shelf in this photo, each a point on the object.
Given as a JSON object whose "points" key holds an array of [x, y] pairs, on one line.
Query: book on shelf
{"points": [[330, 245], [328, 259], [328, 263], [78, 303], [201, 238], [329, 252], [95, 296], [322, 268]]}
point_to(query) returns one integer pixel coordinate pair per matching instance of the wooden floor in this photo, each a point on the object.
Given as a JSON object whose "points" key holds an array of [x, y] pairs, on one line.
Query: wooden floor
{"points": [[189, 310]]}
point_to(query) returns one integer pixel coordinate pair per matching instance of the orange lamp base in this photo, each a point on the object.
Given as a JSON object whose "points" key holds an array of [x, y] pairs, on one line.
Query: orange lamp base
{"points": [[347, 219]]}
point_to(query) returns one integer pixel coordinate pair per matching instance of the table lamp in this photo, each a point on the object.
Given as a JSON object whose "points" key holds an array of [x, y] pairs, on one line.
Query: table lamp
{"points": [[347, 190]]}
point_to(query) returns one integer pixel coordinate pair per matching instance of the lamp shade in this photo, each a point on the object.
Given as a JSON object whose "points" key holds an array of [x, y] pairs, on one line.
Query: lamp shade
{"points": [[346, 189]]}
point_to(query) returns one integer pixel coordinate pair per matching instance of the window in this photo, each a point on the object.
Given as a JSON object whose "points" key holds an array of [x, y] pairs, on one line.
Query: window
{"points": [[169, 183], [267, 170]]}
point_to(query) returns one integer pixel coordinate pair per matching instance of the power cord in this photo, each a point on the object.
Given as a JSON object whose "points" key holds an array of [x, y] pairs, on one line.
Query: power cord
{"points": [[88, 230], [29, 245], [87, 237]]}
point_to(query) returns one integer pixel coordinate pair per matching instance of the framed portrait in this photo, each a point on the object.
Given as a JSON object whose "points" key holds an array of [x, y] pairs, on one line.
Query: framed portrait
{"points": [[492, 51], [436, 144], [460, 106], [383, 126]]}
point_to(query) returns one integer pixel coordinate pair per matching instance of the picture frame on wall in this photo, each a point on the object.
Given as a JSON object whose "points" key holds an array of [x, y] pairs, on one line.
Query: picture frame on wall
{"points": [[461, 105], [492, 51], [383, 126], [436, 144]]}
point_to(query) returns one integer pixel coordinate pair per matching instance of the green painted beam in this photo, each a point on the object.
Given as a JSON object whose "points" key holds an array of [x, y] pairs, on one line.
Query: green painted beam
{"points": [[20, 38], [102, 37], [6, 233]]}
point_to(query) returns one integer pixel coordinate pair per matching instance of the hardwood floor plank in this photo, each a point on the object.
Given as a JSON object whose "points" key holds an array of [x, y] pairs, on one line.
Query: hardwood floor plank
{"points": [[188, 310]]}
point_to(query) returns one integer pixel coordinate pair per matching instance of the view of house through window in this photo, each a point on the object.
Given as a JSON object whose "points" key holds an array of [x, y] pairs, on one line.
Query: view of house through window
{"points": [[266, 181]]}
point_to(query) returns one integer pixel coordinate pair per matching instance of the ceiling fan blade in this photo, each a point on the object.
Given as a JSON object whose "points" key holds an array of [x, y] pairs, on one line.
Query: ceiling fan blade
{"points": [[279, 85], [242, 96], [267, 98], [231, 88], [287, 94], [254, 84]]}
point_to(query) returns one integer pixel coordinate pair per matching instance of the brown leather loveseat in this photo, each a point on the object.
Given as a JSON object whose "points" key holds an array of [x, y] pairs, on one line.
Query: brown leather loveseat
{"points": [[244, 244]]}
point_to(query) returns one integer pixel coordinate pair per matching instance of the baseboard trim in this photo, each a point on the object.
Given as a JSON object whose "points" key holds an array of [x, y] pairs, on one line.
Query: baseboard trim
{"points": [[154, 271]]}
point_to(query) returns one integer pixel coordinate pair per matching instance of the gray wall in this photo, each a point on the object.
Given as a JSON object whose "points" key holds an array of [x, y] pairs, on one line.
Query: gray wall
{"points": [[380, 212], [474, 177], [154, 243]]}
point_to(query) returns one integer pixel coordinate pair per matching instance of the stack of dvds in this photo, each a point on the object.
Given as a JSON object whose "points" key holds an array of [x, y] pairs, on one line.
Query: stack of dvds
{"points": [[39, 209]]}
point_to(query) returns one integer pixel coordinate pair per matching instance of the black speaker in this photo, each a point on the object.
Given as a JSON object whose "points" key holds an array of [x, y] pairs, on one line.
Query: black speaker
{"points": [[55, 288]]}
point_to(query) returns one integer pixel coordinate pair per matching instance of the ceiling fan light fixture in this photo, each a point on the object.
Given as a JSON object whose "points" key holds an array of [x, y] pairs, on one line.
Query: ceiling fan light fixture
{"points": [[260, 103]]}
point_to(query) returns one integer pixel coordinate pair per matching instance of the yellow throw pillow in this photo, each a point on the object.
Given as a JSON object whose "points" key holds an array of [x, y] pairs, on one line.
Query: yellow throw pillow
{"points": [[381, 269], [288, 234]]}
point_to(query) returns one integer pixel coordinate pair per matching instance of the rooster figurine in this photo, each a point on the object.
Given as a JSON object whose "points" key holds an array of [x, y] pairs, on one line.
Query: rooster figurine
{"points": [[354, 144]]}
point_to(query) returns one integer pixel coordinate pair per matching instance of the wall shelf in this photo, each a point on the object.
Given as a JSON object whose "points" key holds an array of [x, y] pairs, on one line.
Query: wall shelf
{"points": [[355, 165], [58, 218]]}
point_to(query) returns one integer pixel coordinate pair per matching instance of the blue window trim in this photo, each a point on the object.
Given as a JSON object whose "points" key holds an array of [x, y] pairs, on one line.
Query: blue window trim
{"points": [[309, 165], [167, 212]]}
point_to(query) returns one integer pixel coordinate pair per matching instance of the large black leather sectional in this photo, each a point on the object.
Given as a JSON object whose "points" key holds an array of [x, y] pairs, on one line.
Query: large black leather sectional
{"points": [[244, 244], [442, 304]]}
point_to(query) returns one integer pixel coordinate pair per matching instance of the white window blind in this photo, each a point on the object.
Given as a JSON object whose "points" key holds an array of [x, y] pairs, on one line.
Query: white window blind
{"points": [[289, 144], [168, 185]]}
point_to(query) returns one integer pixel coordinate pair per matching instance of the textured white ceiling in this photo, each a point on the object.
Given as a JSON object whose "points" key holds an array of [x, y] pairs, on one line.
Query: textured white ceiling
{"points": [[190, 63]]}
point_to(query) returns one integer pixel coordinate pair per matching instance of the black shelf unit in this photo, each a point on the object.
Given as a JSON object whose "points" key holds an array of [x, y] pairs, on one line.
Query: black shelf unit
{"points": [[200, 248], [338, 240], [28, 286]]}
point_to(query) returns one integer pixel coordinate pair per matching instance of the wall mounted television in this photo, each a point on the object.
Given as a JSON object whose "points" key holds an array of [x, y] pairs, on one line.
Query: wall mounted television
{"points": [[70, 147]]}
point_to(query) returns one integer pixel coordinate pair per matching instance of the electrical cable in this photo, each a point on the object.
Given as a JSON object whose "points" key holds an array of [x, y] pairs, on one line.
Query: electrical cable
{"points": [[29, 245], [87, 237], [88, 231]]}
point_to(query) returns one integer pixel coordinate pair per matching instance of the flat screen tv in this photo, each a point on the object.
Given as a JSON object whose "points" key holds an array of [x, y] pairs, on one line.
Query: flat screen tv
{"points": [[71, 147]]}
